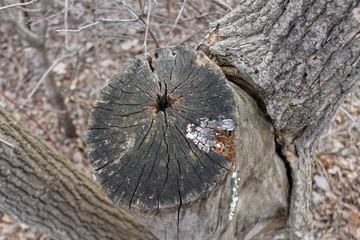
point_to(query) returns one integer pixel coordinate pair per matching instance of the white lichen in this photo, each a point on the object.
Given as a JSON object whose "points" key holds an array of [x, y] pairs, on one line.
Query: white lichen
{"points": [[204, 136], [234, 195]]}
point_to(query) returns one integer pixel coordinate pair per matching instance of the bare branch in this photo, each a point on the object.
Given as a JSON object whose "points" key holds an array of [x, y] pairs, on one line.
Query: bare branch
{"points": [[132, 11], [26, 34], [104, 20], [223, 5], [44, 76], [38, 10], [147, 27], [66, 24], [48, 18], [138, 17], [100, 20], [176, 21], [80, 29], [18, 4], [44, 23]]}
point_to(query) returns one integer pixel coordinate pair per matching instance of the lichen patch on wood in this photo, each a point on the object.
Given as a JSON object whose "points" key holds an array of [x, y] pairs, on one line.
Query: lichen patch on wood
{"points": [[215, 135], [234, 195], [161, 132]]}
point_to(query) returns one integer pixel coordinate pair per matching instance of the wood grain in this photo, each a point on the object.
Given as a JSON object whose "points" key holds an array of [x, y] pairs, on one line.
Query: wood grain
{"points": [[152, 135]]}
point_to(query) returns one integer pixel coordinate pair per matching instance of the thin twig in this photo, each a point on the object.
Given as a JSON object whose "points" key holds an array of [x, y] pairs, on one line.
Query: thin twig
{"points": [[104, 20], [18, 4], [29, 10], [132, 11], [223, 5], [66, 24], [48, 18], [45, 75], [322, 170], [147, 27], [176, 21], [138, 17], [100, 20], [7, 143], [80, 29]]}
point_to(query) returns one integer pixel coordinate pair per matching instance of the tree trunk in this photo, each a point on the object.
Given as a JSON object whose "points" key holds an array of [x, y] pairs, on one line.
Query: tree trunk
{"points": [[298, 59], [41, 188], [186, 151]]}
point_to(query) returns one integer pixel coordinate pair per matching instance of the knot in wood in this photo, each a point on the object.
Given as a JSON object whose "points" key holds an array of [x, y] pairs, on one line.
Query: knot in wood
{"points": [[161, 132]]}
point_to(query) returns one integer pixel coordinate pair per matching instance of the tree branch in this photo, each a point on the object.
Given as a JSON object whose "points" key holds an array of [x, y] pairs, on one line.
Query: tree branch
{"points": [[104, 20], [32, 38], [60, 200], [223, 5], [18, 4], [45, 75]]}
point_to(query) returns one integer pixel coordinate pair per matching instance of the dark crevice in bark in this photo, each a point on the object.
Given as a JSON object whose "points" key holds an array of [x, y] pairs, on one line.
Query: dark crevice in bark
{"points": [[288, 169], [178, 212], [149, 59]]}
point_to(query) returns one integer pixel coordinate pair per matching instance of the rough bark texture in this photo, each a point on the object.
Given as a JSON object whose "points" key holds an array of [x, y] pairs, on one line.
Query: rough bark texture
{"points": [[43, 189], [298, 59], [187, 152]]}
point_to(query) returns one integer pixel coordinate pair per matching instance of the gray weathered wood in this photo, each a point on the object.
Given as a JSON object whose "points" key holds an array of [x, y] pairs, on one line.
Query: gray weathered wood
{"points": [[153, 132], [189, 153], [298, 59]]}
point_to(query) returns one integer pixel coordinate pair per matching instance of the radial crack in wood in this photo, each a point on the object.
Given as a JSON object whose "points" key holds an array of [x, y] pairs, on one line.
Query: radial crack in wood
{"points": [[162, 130]]}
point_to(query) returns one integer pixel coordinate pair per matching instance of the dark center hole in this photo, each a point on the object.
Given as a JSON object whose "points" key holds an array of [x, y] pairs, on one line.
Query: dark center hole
{"points": [[163, 102]]}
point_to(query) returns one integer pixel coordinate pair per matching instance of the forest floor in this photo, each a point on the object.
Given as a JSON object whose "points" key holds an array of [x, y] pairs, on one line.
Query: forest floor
{"points": [[104, 48]]}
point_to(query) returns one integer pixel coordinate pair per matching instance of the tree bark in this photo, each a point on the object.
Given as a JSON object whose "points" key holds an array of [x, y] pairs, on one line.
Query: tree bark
{"points": [[298, 59], [186, 151], [40, 187]]}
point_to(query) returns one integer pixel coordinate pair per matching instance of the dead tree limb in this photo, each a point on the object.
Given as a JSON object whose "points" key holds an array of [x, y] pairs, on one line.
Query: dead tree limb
{"points": [[186, 151]]}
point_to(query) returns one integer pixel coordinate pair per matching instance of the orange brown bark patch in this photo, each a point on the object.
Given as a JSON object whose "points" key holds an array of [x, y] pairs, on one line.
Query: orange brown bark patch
{"points": [[225, 144]]}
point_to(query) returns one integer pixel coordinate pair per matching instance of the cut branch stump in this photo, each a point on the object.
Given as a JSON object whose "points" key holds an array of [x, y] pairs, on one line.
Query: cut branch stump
{"points": [[174, 142]]}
